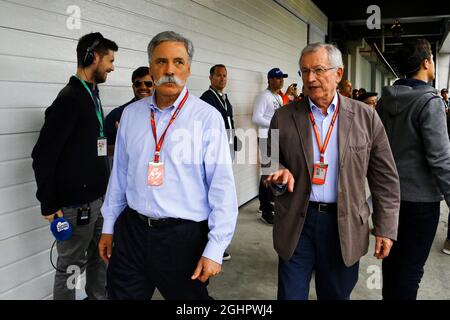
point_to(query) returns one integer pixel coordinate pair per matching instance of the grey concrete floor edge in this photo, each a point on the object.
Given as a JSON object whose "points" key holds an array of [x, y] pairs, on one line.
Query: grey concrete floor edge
{"points": [[251, 274]]}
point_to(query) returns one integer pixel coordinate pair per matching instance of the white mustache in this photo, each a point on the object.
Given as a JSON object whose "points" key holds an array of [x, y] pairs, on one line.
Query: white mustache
{"points": [[169, 79]]}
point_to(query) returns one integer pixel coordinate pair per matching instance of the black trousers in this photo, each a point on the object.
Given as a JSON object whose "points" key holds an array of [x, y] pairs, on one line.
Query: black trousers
{"points": [[403, 268], [144, 258], [265, 195]]}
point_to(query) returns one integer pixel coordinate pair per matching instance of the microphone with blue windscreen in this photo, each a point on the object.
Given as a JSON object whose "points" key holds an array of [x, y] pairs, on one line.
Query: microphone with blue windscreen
{"points": [[61, 228]]}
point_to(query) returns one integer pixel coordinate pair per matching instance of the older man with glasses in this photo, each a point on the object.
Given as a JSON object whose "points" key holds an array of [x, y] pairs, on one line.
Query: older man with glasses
{"points": [[328, 144], [142, 87]]}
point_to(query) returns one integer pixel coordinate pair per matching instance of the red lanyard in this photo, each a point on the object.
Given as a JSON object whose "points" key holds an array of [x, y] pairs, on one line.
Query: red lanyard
{"points": [[327, 138], [158, 145]]}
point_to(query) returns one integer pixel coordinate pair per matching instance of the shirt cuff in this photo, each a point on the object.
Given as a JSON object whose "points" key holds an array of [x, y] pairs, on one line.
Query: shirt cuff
{"points": [[214, 252], [108, 226]]}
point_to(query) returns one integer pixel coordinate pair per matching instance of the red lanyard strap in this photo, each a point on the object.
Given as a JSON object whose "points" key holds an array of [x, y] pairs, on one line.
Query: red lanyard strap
{"points": [[327, 138], [158, 144]]}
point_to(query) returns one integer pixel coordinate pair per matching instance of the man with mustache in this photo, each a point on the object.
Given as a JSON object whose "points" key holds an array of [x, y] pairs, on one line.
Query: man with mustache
{"points": [[71, 167], [171, 205], [142, 88]]}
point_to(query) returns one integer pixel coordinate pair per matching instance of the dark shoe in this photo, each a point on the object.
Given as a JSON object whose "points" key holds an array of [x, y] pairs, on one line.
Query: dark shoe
{"points": [[272, 208], [267, 217], [226, 256]]}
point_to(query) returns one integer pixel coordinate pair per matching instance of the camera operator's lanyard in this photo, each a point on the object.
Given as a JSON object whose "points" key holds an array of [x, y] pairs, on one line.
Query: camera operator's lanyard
{"points": [[155, 172], [320, 167], [101, 140]]}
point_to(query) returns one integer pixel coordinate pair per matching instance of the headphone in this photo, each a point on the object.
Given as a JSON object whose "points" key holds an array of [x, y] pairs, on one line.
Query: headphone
{"points": [[89, 56]]}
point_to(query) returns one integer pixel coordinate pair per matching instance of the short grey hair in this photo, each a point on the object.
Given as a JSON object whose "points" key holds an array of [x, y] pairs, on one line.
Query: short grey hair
{"points": [[170, 36], [334, 54]]}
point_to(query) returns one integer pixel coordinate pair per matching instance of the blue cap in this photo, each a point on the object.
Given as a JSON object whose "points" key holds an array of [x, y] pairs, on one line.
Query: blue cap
{"points": [[61, 229], [276, 73]]}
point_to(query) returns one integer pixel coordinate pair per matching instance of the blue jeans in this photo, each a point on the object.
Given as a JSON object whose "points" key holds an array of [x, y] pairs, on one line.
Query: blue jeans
{"points": [[318, 250]]}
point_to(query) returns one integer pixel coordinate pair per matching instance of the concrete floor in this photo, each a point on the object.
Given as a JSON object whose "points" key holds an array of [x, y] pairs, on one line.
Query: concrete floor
{"points": [[251, 274]]}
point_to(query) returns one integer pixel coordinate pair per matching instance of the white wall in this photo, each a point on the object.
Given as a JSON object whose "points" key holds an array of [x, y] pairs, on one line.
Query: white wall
{"points": [[442, 71], [37, 56], [363, 74], [378, 82]]}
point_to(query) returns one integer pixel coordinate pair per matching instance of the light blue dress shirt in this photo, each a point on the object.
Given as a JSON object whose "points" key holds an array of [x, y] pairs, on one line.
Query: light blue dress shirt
{"points": [[198, 177], [327, 192]]}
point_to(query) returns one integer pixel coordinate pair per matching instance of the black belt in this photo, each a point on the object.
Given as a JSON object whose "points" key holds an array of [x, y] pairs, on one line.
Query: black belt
{"points": [[160, 223], [323, 207]]}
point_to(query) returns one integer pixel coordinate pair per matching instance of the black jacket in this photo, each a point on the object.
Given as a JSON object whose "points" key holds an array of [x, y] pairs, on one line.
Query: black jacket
{"points": [[110, 122], [209, 97], [67, 169]]}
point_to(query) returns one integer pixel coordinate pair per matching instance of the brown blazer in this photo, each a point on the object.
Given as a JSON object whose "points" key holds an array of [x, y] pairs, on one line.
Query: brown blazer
{"points": [[363, 151]]}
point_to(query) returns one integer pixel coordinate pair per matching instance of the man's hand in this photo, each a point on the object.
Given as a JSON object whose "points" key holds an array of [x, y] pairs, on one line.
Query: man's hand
{"points": [[292, 90], [51, 217], [206, 268], [105, 247], [282, 176], [382, 247]]}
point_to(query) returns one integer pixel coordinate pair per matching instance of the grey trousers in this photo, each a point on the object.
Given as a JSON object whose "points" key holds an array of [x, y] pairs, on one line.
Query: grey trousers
{"points": [[79, 254]]}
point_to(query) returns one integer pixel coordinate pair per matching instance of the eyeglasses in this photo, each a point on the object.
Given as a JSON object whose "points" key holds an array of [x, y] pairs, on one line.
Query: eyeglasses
{"points": [[317, 71], [138, 83]]}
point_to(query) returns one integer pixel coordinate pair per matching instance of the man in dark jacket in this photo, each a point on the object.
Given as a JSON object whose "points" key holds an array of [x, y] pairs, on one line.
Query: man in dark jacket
{"points": [[219, 100], [71, 168], [414, 118], [142, 88]]}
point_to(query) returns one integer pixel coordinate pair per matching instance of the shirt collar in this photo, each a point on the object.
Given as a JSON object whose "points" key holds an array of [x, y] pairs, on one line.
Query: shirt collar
{"points": [[331, 108], [221, 94], [172, 108], [90, 85]]}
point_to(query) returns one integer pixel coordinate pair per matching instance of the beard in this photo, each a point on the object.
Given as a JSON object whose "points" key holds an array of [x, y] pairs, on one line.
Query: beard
{"points": [[99, 77]]}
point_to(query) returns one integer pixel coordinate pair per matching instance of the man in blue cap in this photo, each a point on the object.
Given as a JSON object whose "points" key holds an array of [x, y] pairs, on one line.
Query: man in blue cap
{"points": [[263, 109]]}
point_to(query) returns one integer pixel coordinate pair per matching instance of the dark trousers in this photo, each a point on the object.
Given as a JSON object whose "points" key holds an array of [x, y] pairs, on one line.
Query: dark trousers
{"points": [[318, 250], [81, 250], [403, 268], [145, 258], [448, 227], [265, 195]]}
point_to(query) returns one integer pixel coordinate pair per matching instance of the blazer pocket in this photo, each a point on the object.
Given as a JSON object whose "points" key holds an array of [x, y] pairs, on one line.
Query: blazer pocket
{"points": [[358, 149], [364, 213]]}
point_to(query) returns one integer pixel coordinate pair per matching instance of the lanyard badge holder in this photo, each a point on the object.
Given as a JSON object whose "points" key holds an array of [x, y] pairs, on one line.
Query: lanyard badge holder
{"points": [[321, 167], [101, 140], [155, 172], [223, 103]]}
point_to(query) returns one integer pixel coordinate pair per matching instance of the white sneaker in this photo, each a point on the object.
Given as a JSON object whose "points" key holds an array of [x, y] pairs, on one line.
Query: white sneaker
{"points": [[446, 248], [226, 256]]}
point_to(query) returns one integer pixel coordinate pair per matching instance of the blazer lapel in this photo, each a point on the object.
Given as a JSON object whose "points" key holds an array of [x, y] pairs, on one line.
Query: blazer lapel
{"points": [[345, 117], [301, 120]]}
